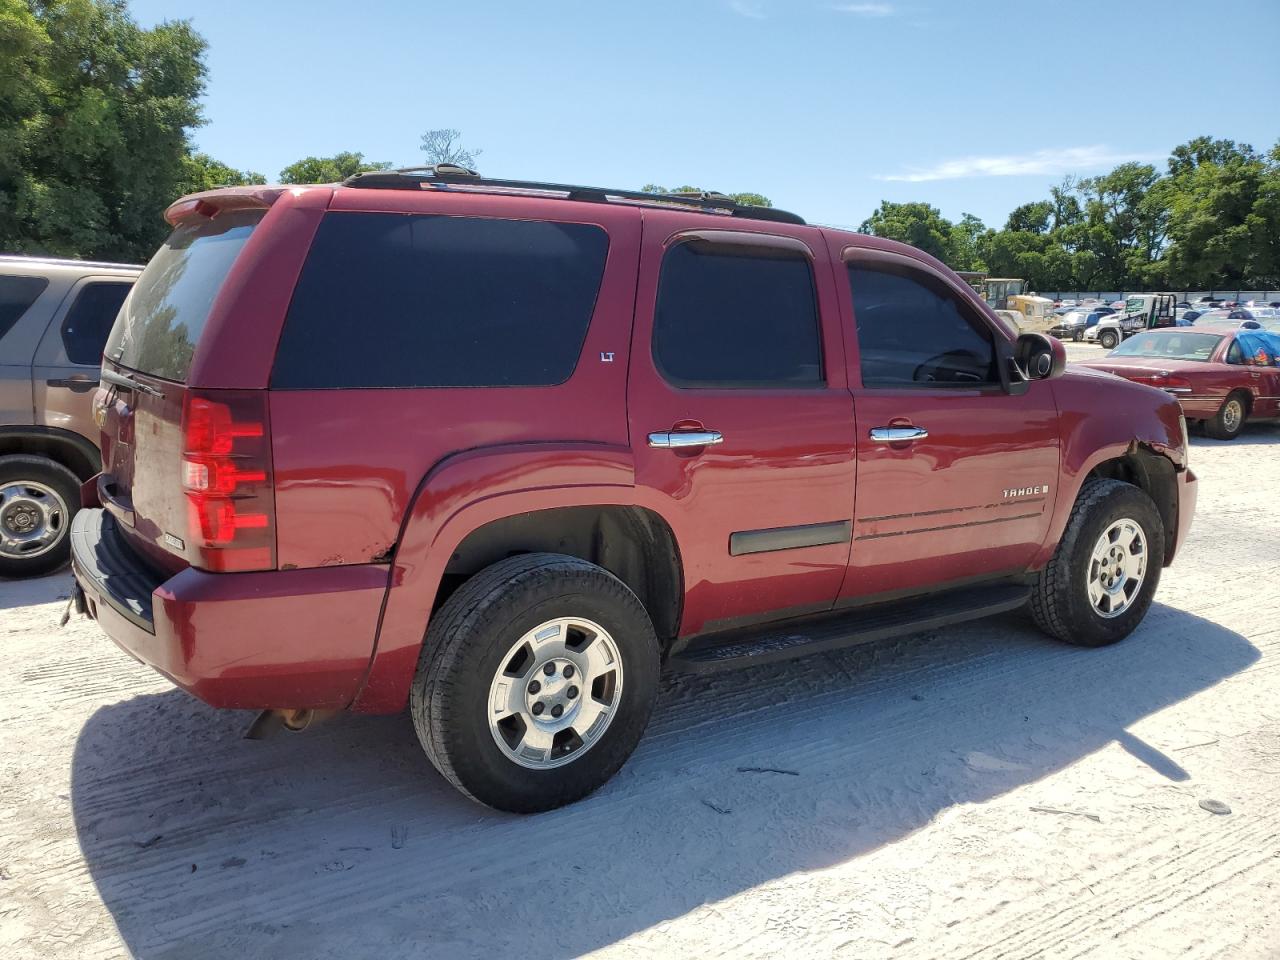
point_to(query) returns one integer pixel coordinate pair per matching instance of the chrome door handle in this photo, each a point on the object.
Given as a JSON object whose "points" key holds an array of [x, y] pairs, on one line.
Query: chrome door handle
{"points": [[897, 434], [674, 440]]}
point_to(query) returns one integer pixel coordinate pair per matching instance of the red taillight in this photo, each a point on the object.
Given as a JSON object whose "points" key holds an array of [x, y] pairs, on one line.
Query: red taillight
{"points": [[226, 474]]}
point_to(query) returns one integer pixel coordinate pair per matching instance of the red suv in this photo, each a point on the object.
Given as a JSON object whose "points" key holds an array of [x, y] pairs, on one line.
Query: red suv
{"points": [[499, 450]]}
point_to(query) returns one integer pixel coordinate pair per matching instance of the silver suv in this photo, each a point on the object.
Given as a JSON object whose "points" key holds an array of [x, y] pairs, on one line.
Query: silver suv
{"points": [[54, 319]]}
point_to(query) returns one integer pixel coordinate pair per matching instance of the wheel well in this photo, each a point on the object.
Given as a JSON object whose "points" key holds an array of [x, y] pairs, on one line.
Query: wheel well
{"points": [[1246, 398], [632, 543], [71, 450], [1154, 475]]}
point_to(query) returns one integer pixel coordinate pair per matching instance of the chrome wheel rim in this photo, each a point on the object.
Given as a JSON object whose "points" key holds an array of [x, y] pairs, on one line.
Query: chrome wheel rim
{"points": [[555, 693], [1117, 568], [1232, 414], [33, 519]]}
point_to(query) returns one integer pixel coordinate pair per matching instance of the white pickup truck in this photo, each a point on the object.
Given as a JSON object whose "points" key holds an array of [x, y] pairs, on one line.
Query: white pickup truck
{"points": [[1140, 312]]}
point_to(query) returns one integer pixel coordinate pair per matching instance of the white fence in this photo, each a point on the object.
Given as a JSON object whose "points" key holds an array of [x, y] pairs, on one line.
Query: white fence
{"points": [[1190, 295]]}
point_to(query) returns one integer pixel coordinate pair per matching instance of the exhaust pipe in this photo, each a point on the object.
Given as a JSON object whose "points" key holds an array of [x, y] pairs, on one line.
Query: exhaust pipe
{"points": [[270, 722]]}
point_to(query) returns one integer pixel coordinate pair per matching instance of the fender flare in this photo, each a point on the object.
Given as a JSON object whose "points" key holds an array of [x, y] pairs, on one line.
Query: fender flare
{"points": [[457, 496], [83, 446]]}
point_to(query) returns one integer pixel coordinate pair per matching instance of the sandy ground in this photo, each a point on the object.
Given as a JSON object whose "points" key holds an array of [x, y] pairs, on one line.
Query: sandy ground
{"points": [[978, 793]]}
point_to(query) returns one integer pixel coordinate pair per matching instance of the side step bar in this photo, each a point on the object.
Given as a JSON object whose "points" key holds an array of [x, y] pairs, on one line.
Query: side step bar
{"points": [[791, 639]]}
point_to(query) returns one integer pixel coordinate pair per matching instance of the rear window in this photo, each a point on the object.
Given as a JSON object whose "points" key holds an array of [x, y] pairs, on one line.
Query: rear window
{"points": [[395, 300], [160, 324], [17, 294], [736, 316]]}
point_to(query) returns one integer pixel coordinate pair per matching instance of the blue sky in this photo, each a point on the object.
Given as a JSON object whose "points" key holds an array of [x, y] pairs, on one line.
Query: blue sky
{"points": [[827, 107]]}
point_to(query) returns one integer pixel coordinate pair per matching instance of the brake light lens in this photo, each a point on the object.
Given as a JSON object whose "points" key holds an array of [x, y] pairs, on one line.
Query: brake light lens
{"points": [[226, 475]]}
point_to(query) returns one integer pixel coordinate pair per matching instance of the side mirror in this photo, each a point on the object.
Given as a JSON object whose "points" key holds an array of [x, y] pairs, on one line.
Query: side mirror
{"points": [[1039, 357]]}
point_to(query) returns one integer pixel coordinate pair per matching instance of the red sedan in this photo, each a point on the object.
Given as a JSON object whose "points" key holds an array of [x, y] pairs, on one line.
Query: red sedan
{"points": [[1222, 376]]}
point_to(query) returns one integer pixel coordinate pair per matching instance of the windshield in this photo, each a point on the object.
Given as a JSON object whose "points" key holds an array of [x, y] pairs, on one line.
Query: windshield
{"points": [[1169, 345], [161, 321]]}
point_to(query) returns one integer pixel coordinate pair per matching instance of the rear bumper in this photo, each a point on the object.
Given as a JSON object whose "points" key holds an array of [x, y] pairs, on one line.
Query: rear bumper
{"points": [[277, 639], [1188, 487]]}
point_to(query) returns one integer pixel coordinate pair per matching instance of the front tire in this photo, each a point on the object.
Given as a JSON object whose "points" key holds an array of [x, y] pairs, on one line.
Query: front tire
{"points": [[1227, 423], [1104, 573], [38, 498], [535, 682], [1108, 339]]}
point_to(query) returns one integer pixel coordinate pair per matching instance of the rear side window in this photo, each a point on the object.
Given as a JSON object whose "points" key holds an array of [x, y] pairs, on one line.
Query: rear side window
{"points": [[160, 325], [395, 300], [17, 294], [89, 321], [915, 331], [736, 316]]}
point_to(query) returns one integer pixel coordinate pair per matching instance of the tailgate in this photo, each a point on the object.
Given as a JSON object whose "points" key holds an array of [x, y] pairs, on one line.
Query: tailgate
{"points": [[139, 405]]}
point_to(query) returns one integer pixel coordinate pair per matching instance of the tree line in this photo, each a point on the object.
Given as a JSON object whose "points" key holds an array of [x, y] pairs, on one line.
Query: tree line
{"points": [[96, 117], [1210, 219]]}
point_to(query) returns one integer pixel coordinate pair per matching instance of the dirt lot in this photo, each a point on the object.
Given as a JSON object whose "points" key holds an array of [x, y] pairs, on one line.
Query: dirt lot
{"points": [[979, 793]]}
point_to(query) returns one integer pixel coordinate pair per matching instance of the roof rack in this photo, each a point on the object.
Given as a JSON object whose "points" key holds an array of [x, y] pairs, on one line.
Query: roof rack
{"points": [[442, 176]]}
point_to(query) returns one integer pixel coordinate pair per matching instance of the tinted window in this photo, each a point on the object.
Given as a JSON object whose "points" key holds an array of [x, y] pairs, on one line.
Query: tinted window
{"points": [[389, 300], [1234, 353], [162, 319], [912, 329], [16, 295], [88, 322], [736, 316]]}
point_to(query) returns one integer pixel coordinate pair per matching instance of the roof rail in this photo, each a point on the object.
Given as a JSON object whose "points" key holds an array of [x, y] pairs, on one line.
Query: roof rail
{"points": [[442, 176], [66, 261]]}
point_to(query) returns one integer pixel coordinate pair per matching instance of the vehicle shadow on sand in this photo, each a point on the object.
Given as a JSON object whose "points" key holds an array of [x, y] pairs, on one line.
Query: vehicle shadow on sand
{"points": [[343, 841]]}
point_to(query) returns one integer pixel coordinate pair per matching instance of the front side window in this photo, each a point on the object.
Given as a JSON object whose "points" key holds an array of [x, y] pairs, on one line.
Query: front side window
{"points": [[913, 330], [422, 300], [732, 315], [88, 322], [17, 294]]}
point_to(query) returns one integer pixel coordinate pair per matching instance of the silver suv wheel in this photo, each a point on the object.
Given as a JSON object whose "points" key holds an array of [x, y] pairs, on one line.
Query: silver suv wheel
{"points": [[1117, 568], [33, 519], [555, 693]]}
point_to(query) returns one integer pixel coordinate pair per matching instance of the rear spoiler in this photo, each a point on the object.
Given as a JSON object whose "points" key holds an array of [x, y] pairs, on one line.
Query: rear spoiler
{"points": [[211, 202]]}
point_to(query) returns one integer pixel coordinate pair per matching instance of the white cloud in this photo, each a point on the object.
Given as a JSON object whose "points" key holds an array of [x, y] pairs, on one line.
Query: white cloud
{"points": [[1060, 160], [865, 9], [751, 9]]}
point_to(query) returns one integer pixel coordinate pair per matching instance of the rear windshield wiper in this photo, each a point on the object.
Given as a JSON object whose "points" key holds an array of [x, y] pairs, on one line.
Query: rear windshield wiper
{"points": [[124, 380]]}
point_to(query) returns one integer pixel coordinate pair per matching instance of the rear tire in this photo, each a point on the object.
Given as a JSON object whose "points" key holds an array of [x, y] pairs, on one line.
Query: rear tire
{"points": [[503, 739], [1227, 423], [1104, 573], [38, 498], [1108, 340]]}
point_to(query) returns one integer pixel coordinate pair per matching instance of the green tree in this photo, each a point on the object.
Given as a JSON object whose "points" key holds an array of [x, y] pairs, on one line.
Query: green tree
{"points": [[333, 169], [94, 118], [918, 224], [202, 172], [1033, 217]]}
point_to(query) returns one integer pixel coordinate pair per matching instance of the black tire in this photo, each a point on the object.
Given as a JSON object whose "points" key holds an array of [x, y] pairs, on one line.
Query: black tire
{"points": [[1078, 336], [466, 643], [1060, 601], [1227, 423], [17, 469], [1108, 339]]}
